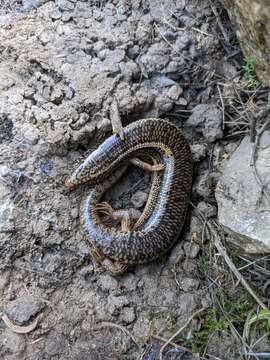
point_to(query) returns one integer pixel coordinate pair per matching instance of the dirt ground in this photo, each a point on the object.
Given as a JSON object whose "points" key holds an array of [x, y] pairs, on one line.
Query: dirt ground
{"points": [[62, 64]]}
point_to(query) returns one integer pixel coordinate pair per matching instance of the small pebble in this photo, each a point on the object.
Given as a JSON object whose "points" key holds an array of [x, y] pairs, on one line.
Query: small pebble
{"points": [[191, 249], [174, 92], [22, 309], [189, 284], [139, 199], [198, 151], [208, 210], [128, 315]]}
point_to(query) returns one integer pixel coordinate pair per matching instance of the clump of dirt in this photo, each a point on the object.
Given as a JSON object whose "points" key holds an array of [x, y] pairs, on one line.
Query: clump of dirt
{"points": [[62, 65]]}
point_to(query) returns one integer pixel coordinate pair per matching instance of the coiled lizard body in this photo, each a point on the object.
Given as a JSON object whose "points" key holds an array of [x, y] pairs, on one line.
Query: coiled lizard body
{"points": [[165, 212]]}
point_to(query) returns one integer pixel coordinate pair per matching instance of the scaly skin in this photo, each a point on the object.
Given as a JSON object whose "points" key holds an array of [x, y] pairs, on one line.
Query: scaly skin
{"points": [[162, 225]]}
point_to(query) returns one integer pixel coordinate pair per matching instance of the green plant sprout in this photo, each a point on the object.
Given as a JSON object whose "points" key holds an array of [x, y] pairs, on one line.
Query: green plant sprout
{"points": [[249, 72]]}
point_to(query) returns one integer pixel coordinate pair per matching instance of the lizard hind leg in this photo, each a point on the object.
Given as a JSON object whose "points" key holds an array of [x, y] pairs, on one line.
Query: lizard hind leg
{"points": [[123, 216], [146, 166], [115, 268]]}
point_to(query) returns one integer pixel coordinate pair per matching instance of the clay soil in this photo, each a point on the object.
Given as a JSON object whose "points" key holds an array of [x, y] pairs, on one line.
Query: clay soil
{"points": [[62, 65]]}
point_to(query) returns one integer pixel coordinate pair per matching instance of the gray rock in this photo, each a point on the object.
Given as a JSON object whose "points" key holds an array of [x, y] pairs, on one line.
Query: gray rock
{"points": [[191, 249], [207, 120], [182, 42], [189, 284], [182, 102], [45, 38], [56, 14], [65, 5], [129, 281], [163, 103], [66, 16], [177, 254], [128, 315], [198, 152], [204, 185], [173, 66], [141, 327], [242, 208], [156, 58], [7, 211], [107, 282], [55, 343], [30, 133], [195, 229], [130, 70], [190, 266], [116, 303], [22, 309], [11, 343], [174, 92], [208, 210], [138, 199]]}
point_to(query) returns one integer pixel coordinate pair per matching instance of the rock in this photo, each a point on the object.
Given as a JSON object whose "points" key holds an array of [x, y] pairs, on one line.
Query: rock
{"points": [[198, 151], [11, 343], [144, 100], [195, 229], [174, 92], [107, 282], [128, 315], [156, 58], [141, 327], [242, 208], [182, 42], [204, 185], [55, 343], [187, 303], [207, 210], [163, 103], [226, 70], [191, 249], [45, 38], [30, 133], [138, 199], [65, 5], [22, 309], [7, 212], [130, 70], [189, 284], [67, 16], [190, 266], [116, 303], [129, 281], [207, 119], [133, 52], [56, 14], [177, 254]]}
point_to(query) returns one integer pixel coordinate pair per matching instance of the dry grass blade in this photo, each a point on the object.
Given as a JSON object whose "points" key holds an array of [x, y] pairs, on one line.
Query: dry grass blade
{"points": [[158, 337], [223, 252], [113, 325], [223, 107], [253, 158], [180, 330]]}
